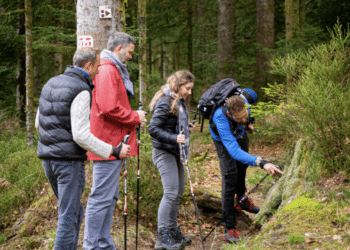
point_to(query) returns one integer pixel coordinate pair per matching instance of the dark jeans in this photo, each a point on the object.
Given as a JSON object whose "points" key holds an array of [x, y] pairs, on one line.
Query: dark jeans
{"points": [[67, 179], [233, 180]]}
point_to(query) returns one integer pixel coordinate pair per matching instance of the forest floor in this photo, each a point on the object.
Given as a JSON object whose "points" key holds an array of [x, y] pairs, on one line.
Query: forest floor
{"points": [[206, 182]]}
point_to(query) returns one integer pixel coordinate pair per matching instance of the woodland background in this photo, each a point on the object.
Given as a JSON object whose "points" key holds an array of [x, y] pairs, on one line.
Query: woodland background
{"points": [[293, 53]]}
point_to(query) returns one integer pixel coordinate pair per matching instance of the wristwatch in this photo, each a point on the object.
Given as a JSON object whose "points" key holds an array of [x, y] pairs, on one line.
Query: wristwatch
{"points": [[258, 161]]}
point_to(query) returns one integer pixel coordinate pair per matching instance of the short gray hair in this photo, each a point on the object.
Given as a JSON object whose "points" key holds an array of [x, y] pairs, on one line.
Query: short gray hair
{"points": [[119, 38], [84, 55]]}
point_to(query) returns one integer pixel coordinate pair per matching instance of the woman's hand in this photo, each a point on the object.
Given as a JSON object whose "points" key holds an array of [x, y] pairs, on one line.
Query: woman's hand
{"points": [[181, 139], [191, 127]]}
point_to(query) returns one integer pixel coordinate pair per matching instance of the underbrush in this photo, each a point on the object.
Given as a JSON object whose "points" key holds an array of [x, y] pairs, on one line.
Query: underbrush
{"points": [[21, 173], [314, 101]]}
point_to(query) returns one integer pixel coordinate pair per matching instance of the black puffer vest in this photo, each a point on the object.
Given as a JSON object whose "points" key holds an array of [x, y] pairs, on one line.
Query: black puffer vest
{"points": [[55, 132]]}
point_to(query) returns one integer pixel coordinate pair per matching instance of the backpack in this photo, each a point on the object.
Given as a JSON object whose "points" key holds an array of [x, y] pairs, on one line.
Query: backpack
{"points": [[216, 96]]}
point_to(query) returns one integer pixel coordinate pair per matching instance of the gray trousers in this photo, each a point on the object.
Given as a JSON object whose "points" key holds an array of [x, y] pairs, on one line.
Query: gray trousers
{"points": [[173, 180], [100, 206]]}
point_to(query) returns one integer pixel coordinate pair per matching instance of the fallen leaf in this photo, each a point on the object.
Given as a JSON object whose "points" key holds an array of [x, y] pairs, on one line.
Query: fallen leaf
{"points": [[336, 237], [310, 240]]}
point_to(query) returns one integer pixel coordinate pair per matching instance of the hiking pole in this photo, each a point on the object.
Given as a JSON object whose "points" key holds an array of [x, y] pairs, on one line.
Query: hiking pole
{"points": [[138, 177], [240, 201], [125, 191], [184, 162]]}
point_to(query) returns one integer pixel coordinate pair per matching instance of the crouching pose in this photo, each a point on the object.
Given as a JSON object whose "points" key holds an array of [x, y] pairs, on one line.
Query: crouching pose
{"points": [[228, 129], [170, 114]]}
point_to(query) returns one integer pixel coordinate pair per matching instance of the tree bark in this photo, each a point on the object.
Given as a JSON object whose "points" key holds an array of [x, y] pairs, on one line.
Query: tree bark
{"points": [[29, 73], [142, 50], [189, 37], [226, 39], [295, 17], [264, 39], [89, 22], [21, 74], [162, 61], [149, 54]]}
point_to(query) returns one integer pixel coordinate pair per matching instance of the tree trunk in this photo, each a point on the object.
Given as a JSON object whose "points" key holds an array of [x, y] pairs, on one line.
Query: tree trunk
{"points": [[162, 61], [142, 50], [302, 14], [200, 50], [149, 54], [29, 74], [264, 39], [89, 22], [295, 17], [21, 64], [226, 39], [189, 37]]}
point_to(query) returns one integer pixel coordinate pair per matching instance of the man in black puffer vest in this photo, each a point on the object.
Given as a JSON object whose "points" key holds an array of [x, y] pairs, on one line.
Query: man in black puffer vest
{"points": [[64, 138]]}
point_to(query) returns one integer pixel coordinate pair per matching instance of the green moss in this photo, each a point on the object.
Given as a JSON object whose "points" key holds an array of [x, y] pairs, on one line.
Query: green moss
{"points": [[296, 238], [304, 203]]}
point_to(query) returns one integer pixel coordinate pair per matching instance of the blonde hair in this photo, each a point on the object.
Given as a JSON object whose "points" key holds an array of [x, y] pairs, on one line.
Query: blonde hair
{"points": [[174, 81]]}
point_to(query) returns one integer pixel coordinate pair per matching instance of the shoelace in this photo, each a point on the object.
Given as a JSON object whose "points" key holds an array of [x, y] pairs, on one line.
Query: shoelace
{"points": [[235, 234]]}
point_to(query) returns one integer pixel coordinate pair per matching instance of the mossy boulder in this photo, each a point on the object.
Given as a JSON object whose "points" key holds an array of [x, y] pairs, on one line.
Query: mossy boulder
{"points": [[290, 186]]}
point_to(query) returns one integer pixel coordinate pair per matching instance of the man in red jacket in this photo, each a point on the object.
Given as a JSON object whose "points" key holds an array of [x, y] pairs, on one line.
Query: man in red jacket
{"points": [[111, 119]]}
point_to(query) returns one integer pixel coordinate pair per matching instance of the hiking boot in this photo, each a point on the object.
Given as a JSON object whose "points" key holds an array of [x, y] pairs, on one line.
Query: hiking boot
{"points": [[232, 235], [247, 205], [179, 237], [165, 241]]}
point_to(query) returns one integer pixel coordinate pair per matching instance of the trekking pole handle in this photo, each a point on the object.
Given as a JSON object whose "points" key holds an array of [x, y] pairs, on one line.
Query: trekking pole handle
{"points": [[126, 138]]}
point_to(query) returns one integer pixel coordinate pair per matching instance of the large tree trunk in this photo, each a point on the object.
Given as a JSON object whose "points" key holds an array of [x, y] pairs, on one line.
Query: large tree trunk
{"points": [[264, 39], [226, 39], [295, 17], [89, 22], [142, 50], [29, 74]]}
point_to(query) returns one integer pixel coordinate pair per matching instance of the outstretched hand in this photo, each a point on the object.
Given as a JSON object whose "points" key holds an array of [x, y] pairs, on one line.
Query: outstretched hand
{"points": [[272, 169]]}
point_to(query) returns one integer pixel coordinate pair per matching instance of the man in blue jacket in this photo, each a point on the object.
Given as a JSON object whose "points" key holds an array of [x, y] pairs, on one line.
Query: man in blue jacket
{"points": [[229, 129]]}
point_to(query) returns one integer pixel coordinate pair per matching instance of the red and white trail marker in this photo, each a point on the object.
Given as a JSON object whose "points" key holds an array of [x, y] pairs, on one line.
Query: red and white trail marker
{"points": [[85, 41], [105, 11]]}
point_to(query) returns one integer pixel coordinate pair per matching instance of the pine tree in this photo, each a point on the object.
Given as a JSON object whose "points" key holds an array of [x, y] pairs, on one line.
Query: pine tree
{"points": [[226, 39], [264, 38]]}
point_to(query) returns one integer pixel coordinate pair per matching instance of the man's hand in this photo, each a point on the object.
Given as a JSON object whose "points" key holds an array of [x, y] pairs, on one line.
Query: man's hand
{"points": [[271, 169], [142, 116], [122, 151], [250, 128], [125, 152]]}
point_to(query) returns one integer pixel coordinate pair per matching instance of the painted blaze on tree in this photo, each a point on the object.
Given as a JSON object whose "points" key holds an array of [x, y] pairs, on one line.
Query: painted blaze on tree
{"points": [[93, 29]]}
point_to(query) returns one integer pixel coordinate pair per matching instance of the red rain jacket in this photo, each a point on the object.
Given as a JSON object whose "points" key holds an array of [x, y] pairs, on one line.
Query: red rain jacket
{"points": [[111, 116]]}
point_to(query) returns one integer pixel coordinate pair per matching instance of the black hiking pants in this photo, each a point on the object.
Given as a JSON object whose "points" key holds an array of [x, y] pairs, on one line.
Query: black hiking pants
{"points": [[233, 180]]}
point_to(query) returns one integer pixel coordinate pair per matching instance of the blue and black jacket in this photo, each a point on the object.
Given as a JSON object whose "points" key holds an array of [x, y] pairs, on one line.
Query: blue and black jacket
{"points": [[229, 132]]}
